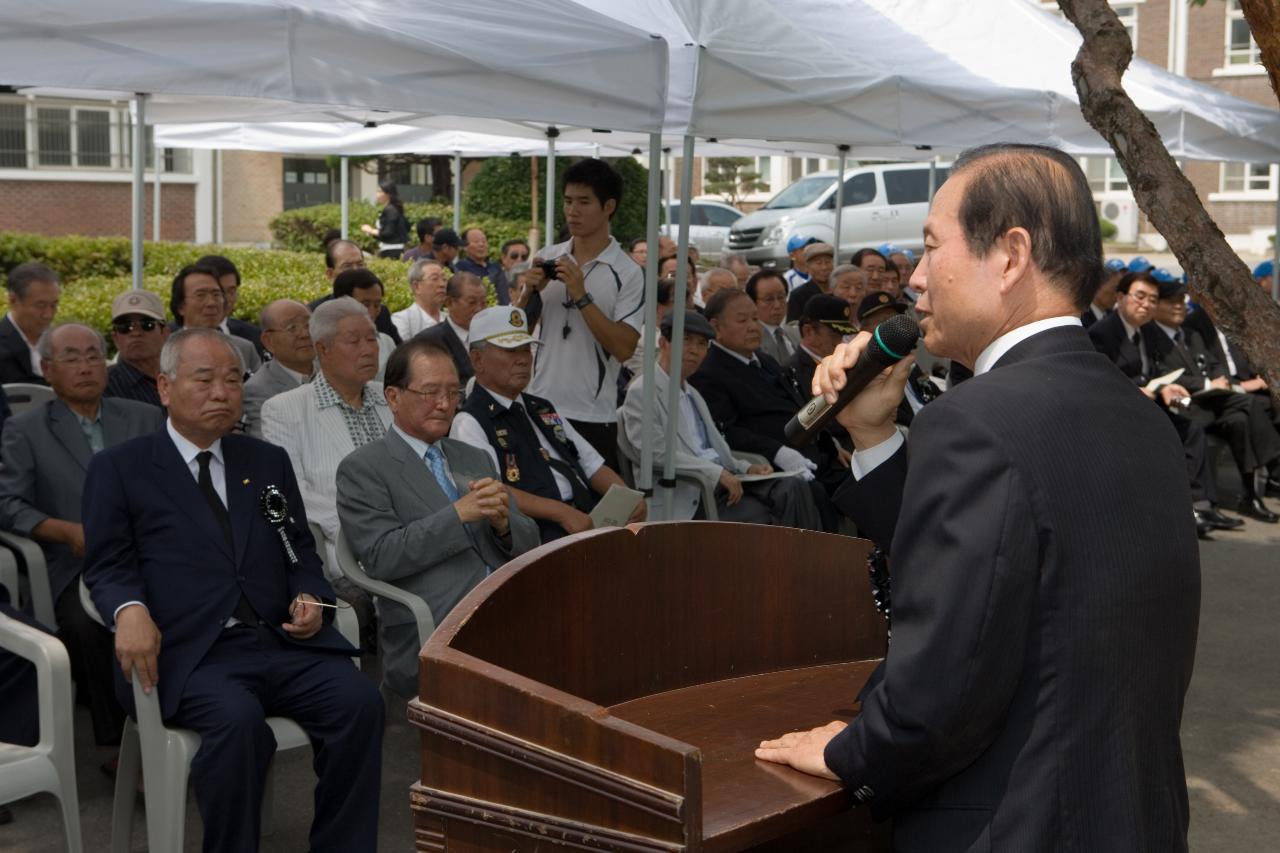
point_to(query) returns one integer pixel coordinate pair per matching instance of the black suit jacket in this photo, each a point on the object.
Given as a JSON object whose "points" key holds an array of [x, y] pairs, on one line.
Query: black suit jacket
{"points": [[1195, 358], [15, 356], [248, 331], [443, 335], [1200, 321], [751, 405], [1044, 617], [151, 537], [1109, 338]]}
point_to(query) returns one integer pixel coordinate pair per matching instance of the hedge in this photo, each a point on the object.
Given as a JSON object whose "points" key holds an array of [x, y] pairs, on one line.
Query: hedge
{"points": [[95, 269], [303, 229]]}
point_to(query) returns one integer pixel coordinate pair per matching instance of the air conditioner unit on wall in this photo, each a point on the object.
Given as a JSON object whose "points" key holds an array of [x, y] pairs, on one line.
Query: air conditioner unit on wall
{"points": [[1123, 212]]}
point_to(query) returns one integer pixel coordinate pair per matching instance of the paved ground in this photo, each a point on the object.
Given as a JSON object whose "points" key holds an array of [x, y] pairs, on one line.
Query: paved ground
{"points": [[1231, 733]]}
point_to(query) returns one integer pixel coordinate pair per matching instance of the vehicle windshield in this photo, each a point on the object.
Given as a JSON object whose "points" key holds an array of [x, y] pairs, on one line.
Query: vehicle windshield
{"points": [[801, 193]]}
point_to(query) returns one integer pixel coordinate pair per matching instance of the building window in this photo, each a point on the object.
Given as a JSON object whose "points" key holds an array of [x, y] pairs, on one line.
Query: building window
{"points": [[1256, 178], [47, 134], [1241, 48], [1128, 16], [1105, 175]]}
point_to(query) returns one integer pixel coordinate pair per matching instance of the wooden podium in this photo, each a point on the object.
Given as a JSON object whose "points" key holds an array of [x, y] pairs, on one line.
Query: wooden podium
{"points": [[605, 692]]}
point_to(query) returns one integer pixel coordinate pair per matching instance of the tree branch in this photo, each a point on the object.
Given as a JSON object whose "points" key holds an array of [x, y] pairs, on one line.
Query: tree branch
{"points": [[1264, 20], [1220, 279]]}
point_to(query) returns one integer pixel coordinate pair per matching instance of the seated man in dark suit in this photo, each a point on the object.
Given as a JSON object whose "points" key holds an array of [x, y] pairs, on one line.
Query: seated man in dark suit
{"points": [[198, 302], [555, 474], [229, 280], [1118, 336], [464, 297], [138, 330], [208, 608], [33, 291], [424, 512], [46, 452], [752, 397], [1241, 419]]}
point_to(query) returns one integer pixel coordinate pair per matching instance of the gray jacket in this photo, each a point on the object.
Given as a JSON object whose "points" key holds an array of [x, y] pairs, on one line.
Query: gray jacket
{"points": [[46, 457], [269, 380]]}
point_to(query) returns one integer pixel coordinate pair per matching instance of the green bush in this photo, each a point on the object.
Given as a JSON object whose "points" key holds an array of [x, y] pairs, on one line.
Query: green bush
{"points": [[1108, 229], [303, 229]]}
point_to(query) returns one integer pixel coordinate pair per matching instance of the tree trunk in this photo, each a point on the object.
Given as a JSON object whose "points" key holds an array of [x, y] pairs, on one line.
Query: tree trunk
{"points": [[1264, 20], [1219, 278]]}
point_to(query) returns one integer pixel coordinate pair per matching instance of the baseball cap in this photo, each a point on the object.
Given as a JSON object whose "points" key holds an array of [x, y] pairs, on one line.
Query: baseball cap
{"points": [[1266, 269], [878, 300], [799, 241], [829, 310], [502, 326], [694, 324], [142, 302], [816, 248], [1140, 264], [1115, 265], [446, 237]]}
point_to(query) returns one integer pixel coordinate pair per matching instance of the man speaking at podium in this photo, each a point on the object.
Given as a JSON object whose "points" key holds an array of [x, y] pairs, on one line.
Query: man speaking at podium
{"points": [[1044, 613]]}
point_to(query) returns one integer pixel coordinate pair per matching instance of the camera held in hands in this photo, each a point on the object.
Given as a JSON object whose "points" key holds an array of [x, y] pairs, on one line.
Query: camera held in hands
{"points": [[548, 269]]}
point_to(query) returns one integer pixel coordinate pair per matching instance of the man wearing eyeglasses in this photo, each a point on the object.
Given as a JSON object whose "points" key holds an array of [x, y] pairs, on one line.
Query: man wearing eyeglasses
{"points": [[514, 252], [138, 330], [46, 453]]}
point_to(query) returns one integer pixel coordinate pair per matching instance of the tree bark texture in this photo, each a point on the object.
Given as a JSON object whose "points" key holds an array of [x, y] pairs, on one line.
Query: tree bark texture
{"points": [[1264, 20], [1220, 280]]}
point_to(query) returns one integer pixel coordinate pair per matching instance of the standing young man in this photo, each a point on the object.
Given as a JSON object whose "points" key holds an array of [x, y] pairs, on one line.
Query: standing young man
{"points": [[590, 310]]}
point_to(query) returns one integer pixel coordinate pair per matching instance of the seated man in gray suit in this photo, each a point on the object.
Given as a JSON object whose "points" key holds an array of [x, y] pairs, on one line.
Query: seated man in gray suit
{"points": [[286, 334], [46, 455], [423, 511], [701, 448]]}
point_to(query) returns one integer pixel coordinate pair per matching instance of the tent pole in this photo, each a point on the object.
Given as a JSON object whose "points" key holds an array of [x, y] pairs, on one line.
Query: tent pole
{"points": [[666, 186], [344, 181], [644, 479], [668, 481], [1275, 252], [139, 182], [844, 153], [933, 177], [457, 190], [549, 217], [155, 195]]}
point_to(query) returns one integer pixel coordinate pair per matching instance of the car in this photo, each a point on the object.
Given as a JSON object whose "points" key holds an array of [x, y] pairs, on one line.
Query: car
{"points": [[709, 224], [883, 203]]}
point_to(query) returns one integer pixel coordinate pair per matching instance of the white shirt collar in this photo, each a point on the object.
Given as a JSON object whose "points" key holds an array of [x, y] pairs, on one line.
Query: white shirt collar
{"points": [[738, 356], [458, 330], [505, 402], [187, 450], [417, 445], [1000, 346]]}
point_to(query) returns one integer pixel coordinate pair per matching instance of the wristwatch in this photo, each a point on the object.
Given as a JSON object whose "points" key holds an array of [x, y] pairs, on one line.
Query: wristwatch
{"points": [[587, 299]]}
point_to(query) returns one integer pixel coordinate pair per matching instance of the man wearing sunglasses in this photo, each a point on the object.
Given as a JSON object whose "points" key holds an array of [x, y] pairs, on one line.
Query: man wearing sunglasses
{"points": [[138, 330], [514, 252]]}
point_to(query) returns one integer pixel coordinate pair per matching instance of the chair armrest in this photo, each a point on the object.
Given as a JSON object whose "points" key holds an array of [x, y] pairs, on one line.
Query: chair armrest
{"points": [[353, 571], [37, 576], [53, 674], [9, 577]]}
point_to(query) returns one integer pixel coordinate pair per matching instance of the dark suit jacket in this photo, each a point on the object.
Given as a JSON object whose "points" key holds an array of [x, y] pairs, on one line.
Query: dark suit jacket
{"points": [[1200, 321], [751, 405], [443, 335], [15, 356], [151, 537], [45, 457], [1109, 338], [248, 331], [1197, 360], [1044, 617]]}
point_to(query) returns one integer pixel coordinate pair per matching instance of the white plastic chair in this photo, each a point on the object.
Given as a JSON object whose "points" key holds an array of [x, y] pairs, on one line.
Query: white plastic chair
{"points": [[37, 576], [26, 395], [165, 755], [50, 765], [9, 577], [353, 571]]}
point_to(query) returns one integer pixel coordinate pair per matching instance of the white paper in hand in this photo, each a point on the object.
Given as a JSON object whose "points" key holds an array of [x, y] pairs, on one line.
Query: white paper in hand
{"points": [[615, 508]]}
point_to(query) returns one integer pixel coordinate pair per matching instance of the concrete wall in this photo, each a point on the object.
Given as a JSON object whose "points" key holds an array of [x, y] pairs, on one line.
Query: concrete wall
{"points": [[252, 193]]}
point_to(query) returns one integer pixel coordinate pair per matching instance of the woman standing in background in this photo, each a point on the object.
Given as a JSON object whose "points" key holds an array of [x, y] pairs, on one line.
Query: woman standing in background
{"points": [[393, 228]]}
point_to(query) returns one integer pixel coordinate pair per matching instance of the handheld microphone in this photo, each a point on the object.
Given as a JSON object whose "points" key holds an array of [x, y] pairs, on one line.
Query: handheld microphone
{"points": [[890, 343]]}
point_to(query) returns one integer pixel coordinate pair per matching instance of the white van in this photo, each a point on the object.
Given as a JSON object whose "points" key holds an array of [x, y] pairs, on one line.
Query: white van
{"points": [[884, 203]]}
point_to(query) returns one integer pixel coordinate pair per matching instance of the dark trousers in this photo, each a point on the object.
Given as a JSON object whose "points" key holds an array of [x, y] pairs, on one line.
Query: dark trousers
{"points": [[603, 437], [251, 674], [20, 705], [1195, 452], [1242, 421], [92, 651], [785, 501]]}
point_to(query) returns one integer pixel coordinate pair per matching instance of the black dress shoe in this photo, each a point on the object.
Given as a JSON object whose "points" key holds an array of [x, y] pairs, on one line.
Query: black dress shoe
{"points": [[1218, 520], [1203, 529], [6, 816], [1256, 509]]}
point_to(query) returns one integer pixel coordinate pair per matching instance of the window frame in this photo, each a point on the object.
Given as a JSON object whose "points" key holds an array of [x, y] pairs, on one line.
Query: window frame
{"points": [[1244, 193]]}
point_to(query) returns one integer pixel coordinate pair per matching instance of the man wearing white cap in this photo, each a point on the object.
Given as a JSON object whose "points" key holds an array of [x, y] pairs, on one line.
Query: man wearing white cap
{"points": [[554, 473]]}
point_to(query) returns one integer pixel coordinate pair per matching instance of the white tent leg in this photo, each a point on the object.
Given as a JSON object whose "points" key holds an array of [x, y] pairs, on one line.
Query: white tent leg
{"points": [[666, 186], [549, 217], [457, 191], [836, 241], [933, 177], [139, 182], [344, 181], [644, 478], [668, 481]]}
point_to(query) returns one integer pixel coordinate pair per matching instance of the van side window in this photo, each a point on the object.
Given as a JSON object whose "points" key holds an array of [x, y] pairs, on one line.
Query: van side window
{"points": [[910, 186], [860, 189], [720, 217]]}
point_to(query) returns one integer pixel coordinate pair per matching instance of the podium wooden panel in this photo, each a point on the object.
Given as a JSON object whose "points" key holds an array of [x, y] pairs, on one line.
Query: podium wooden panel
{"points": [[605, 692]]}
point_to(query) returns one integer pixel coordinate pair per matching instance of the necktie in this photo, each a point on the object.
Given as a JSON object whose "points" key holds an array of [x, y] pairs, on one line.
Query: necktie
{"points": [[435, 459], [244, 611], [784, 349], [1142, 354]]}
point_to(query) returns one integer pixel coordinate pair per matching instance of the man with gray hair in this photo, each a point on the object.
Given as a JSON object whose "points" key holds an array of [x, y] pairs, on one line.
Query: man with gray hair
{"points": [[286, 334], [46, 452], [849, 283], [427, 284], [737, 265], [714, 280], [211, 609], [33, 292]]}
